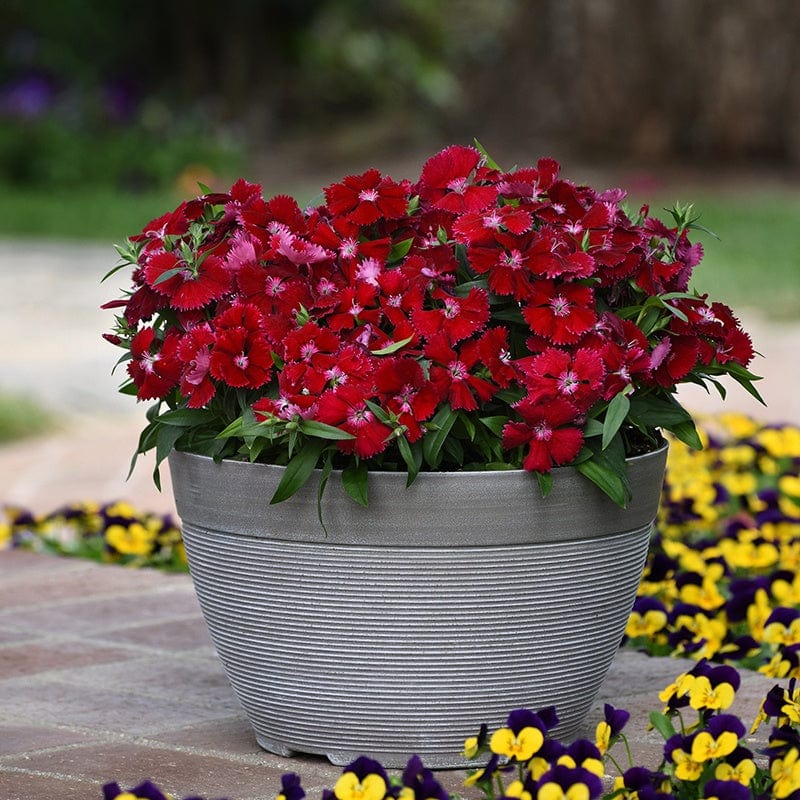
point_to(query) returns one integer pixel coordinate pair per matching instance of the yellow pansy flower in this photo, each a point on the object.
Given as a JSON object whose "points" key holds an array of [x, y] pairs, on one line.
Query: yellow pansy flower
{"points": [[704, 695], [743, 772], [521, 745], [785, 774], [349, 787], [706, 748], [134, 539]]}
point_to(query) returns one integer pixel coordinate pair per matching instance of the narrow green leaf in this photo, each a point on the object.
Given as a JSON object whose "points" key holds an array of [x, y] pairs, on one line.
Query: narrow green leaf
{"points": [[165, 441], [392, 348], [545, 482], [381, 414], [608, 476], [412, 458], [129, 388], [687, 433], [170, 273], [495, 424], [400, 250], [115, 269], [354, 481], [616, 413], [439, 428], [298, 470], [593, 427], [322, 431], [490, 162], [186, 417], [327, 468]]}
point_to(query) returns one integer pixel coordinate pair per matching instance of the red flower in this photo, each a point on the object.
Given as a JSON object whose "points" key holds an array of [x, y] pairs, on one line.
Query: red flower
{"points": [[405, 392], [447, 181], [673, 358], [484, 227], [241, 357], [346, 408], [626, 358], [560, 312], [550, 430], [457, 318], [154, 365], [494, 352], [195, 352], [190, 287], [450, 373], [367, 198], [574, 376]]}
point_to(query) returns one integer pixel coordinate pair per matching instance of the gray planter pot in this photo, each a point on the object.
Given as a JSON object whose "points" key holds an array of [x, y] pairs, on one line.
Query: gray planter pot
{"points": [[414, 620]]}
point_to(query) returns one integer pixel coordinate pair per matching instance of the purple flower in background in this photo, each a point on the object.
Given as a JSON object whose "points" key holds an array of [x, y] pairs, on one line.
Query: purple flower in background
{"points": [[28, 97]]}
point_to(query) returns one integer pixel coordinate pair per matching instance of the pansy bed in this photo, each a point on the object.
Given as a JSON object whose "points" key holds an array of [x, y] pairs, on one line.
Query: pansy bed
{"points": [[704, 755]]}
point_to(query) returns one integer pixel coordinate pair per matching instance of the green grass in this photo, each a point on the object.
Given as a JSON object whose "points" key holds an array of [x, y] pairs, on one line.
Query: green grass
{"points": [[92, 213], [755, 262], [755, 265], [21, 418]]}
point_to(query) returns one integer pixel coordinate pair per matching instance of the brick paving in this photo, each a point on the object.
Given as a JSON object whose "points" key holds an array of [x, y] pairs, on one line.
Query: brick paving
{"points": [[108, 673]]}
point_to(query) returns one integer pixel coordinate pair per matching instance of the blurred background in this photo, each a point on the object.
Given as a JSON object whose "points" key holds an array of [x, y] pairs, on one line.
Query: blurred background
{"points": [[110, 113]]}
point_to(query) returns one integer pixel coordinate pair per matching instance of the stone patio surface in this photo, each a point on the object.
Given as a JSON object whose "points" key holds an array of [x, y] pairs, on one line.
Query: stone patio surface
{"points": [[108, 673]]}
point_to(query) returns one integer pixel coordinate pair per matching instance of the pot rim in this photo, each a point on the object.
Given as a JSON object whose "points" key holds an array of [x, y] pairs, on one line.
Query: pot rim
{"points": [[443, 474], [440, 509]]}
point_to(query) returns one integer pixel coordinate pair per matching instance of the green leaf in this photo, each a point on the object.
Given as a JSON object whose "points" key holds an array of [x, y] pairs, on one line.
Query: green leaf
{"points": [[609, 475], [412, 458], [495, 424], [687, 433], [616, 413], [392, 348], [170, 273], [400, 250], [327, 468], [490, 162], [439, 429], [322, 431], [354, 481], [545, 482], [593, 427], [165, 441], [662, 724], [298, 470], [186, 417]]}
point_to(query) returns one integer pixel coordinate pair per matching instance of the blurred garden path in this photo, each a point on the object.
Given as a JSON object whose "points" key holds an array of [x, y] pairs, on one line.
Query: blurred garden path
{"points": [[51, 349]]}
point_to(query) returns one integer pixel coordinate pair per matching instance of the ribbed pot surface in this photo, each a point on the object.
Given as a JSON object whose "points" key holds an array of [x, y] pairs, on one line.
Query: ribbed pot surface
{"points": [[419, 618]]}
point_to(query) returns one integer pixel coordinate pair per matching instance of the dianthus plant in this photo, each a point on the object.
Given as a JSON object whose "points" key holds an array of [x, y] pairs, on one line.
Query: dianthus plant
{"points": [[472, 319]]}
